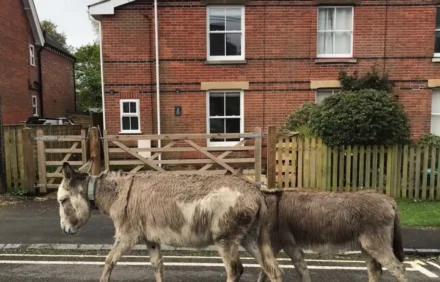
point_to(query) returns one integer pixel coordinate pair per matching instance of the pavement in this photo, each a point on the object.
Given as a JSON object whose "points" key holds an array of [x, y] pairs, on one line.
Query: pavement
{"points": [[33, 248]]}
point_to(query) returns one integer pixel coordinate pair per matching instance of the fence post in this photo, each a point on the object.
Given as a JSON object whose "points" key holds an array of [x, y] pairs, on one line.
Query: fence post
{"points": [[95, 150], [41, 162], [271, 156], [258, 158], [28, 162]]}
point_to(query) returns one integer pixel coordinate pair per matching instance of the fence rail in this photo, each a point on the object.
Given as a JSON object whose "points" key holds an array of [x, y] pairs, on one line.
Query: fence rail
{"points": [[398, 171]]}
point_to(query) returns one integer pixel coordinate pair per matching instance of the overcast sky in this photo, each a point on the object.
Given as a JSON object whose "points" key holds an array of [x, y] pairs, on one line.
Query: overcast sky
{"points": [[71, 17]]}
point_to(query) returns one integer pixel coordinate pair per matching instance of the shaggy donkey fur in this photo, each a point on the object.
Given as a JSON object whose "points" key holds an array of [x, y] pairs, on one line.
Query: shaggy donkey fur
{"points": [[327, 221], [176, 210]]}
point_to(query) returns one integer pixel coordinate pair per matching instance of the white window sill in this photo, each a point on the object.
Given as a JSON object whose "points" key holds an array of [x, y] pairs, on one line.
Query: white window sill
{"points": [[436, 60], [329, 60], [225, 62], [131, 132], [222, 144]]}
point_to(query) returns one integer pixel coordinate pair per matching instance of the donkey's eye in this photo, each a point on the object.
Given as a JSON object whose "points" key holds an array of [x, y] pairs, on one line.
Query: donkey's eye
{"points": [[63, 201]]}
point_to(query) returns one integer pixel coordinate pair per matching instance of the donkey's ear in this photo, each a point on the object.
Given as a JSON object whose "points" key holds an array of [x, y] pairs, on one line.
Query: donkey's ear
{"points": [[68, 171], [87, 166]]}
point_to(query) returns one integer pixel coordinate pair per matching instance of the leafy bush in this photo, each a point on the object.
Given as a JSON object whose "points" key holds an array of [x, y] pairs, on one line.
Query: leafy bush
{"points": [[429, 140], [299, 120], [371, 80], [365, 117]]}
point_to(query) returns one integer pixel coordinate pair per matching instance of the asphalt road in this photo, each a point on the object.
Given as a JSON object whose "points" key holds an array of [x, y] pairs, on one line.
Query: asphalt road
{"points": [[47, 267]]}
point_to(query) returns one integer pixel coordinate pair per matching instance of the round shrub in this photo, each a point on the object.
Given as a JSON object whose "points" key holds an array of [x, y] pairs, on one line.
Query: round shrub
{"points": [[429, 140], [365, 117], [299, 119]]}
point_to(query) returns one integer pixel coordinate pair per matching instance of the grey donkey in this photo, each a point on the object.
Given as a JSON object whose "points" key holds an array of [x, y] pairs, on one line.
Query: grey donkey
{"points": [[326, 222], [168, 209]]}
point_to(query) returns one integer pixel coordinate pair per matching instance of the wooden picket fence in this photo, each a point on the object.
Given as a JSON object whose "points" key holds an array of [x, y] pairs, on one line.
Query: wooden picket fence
{"points": [[398, 171]]}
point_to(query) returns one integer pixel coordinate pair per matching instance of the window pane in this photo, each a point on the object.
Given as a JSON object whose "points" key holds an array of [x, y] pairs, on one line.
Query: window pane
{"points": [[435, 104], [342, 42], [321, 95], [233, 44], [125, 123], [233, 19], [216, 104], [437, 25], [326, 19], [325, 43], [233, 126], [344, 19], [217, 126], [217, 19], [233, 104], [217, 44], [435, 125], [34, 111], [134, 122], [133, 107], [126, 107], [437, 42]]}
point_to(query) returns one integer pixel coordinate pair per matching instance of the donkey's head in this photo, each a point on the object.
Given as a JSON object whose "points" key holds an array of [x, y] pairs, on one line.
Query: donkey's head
{"points": [[75, 209]]}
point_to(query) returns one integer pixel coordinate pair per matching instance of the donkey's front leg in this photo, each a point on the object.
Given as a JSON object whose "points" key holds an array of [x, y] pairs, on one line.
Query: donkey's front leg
{"points": [[122, 245], [156, 260]]}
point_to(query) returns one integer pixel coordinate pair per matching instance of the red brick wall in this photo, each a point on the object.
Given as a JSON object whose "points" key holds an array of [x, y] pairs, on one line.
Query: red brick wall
{"points": [[15, 71], [280, 53], [58, 84]]}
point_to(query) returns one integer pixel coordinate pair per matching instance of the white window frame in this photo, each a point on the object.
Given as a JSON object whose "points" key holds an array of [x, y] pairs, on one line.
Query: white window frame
{"points": [[436, 30], [32, 55], [350, 55], [137, 114], [434, 91], [242, 32], [35, 105], [208, 118], [334, 91]]}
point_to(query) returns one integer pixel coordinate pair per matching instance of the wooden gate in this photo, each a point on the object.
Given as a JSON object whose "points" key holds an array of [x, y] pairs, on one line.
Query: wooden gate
{"points": [[75, 153], [125, 151]]}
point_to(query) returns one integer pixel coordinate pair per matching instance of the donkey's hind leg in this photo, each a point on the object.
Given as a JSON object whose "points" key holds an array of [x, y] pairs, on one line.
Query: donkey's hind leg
{"points": [[297, 256], [374, 268], [230, 255], [266, 258], [156, 260], [380, 248]]}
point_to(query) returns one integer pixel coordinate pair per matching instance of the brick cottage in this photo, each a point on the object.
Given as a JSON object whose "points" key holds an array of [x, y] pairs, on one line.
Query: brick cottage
{"points": [[232, 65], [36, 73]]}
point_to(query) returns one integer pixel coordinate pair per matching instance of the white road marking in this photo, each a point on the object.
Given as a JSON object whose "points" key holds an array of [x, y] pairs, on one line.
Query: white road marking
{"points": [[434, 264], [190, 264], [187, 257], [417, 267]]}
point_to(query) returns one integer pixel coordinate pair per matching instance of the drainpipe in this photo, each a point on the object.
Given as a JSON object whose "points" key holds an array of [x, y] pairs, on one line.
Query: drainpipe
{"points": [[40, 80], [156, 37], [102, 71]]}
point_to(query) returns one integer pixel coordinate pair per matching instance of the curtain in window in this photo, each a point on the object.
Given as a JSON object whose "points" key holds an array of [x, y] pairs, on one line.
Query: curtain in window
{"points": [[435, 112], [335, 26]]}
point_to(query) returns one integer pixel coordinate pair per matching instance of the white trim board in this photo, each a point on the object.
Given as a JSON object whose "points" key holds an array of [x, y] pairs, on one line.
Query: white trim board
{"points": [[106, 7]]}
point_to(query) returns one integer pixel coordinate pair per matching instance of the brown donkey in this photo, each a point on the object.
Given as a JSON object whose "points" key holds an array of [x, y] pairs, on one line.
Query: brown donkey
{"points": [[327, 222], [176, 210]]}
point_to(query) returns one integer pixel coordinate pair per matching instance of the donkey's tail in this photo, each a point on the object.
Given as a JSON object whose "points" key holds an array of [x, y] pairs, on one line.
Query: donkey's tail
{"points": [[397, 240], [270, 265]]}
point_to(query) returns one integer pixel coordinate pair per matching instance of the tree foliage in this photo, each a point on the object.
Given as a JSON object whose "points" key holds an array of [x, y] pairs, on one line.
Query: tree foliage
{"points": [[364, 117], [52, 29], [371, 80], [88, 76], [299, 119]]}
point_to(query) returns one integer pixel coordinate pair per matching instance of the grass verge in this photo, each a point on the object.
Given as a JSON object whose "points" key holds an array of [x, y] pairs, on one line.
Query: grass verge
{"points": [[419, 213]]}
